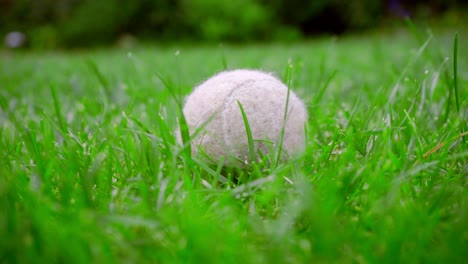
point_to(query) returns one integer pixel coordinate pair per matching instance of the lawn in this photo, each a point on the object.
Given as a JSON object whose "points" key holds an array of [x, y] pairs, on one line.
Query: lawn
{"points": [[90, 170]]}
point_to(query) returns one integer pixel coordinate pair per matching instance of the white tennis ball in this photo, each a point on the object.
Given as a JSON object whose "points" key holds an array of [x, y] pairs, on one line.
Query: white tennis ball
{"points": [[213, 109]]}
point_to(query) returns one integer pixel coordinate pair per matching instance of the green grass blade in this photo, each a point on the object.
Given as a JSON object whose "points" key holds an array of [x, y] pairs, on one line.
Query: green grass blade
{"points": [[248, 132], [36, 153], [288, 79], [223, 58], [102, 80], [324, 87], [414, 30], [455, 70], [183, 126], [58, 109]]}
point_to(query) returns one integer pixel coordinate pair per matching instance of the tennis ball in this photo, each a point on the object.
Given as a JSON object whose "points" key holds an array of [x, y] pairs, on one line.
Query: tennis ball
{"points": [[213, 109]]}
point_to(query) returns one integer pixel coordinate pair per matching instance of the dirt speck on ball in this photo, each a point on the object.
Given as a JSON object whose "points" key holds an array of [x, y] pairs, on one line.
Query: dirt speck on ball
{"points": [[214, 106]]}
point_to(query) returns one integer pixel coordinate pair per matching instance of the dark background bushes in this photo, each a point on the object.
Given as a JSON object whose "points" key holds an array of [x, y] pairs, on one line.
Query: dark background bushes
{"points": [[68, 23]]}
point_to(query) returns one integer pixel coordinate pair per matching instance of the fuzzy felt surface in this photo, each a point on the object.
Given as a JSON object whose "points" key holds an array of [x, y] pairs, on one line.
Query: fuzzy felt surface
{"points": [[213, 107]]}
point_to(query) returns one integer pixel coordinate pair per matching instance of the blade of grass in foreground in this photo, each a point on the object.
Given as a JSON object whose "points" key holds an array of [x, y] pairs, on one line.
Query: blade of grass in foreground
{"points": [[58, 109], [249, 134], [184, 130], [223, 58], [455, 70], [102, 80], [455, 83], [288, 79], [324, 87]]}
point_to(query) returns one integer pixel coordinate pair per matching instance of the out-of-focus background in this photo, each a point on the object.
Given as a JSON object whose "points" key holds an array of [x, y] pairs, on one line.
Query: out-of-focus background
{"points": [[46, 24]]}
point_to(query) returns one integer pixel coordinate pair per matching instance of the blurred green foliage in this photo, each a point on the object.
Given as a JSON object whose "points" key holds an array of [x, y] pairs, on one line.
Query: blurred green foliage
{"points": [[228, 20], [98, 21], [50, 23]]}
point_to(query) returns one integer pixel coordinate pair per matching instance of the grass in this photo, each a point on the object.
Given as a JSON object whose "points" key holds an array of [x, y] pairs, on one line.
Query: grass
{"points": [[91, 172]]}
